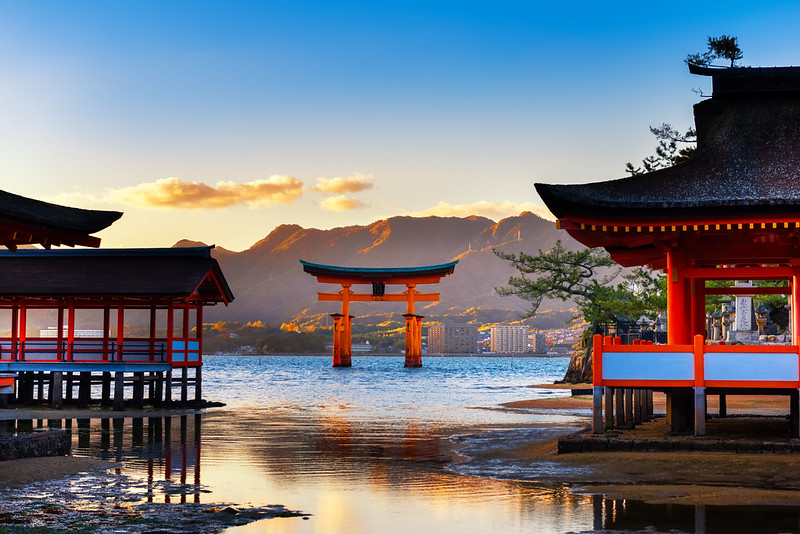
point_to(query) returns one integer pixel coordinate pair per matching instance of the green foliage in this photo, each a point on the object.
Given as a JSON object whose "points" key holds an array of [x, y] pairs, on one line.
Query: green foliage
{"points": [[668, 152], [582, 276], [293, 342], [722, 47]]}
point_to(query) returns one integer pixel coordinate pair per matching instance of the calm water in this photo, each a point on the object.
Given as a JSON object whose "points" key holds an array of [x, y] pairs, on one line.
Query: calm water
{"points": [[363, 450]]}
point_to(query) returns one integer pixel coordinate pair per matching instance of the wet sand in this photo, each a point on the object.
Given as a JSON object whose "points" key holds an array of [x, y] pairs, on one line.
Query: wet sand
{"points": [[14, 473], [679, 477]]}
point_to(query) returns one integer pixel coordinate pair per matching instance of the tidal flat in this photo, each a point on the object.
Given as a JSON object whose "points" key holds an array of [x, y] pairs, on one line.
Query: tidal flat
{"points": [[301, 447]]}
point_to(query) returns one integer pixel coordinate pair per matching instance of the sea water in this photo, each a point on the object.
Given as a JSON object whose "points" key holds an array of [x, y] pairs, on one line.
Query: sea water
{"points": [[371, 448]]}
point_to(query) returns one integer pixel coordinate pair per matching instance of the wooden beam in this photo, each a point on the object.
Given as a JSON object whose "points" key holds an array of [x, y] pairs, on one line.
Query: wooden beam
{"points": [[739, 273], [748, 290], [367, 297]]}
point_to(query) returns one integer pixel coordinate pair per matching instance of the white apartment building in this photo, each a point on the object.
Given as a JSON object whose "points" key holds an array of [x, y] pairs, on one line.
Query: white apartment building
{"points": [[509, 338]]}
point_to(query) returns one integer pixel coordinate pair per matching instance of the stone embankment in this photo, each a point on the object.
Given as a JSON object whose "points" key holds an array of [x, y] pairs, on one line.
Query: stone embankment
{"points": [[50, 443]]}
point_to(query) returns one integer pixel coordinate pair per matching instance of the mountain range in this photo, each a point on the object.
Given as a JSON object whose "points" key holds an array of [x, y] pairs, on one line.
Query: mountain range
{"points": [[269, 284]]}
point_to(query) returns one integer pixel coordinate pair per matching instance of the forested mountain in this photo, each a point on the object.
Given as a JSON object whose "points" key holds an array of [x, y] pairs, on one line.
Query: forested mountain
{"points": [[269, 283]]}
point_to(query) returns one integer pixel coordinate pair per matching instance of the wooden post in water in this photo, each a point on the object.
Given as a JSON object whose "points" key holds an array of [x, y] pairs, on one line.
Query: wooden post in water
{"points": [[184, 384], [85, 390], [198, 384], [57, 393], [105, 389], [138, 390], [158, 393], [168, 388], [119, 391]]}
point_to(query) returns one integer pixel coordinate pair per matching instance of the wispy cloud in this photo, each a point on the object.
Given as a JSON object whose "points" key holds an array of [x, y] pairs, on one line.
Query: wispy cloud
{"points": [[341, 203], [490, 210], [176, 193], [338, 186]]}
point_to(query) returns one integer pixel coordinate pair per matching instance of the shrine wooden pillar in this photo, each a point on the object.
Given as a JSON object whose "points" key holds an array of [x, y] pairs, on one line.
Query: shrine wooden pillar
{"points": [[60, 336], [795, 282], [15, 332], [106, 331], [680, 401], [120, 328], [679, 315], [23, 329]]}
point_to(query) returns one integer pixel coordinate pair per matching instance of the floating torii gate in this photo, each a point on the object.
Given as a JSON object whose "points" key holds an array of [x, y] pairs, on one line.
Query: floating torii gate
{"points": [[378, 278]]}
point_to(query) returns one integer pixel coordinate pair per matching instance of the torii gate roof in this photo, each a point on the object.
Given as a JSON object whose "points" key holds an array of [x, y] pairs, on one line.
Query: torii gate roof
{"points": [[744, 179], [25, 220], [387, 275]]}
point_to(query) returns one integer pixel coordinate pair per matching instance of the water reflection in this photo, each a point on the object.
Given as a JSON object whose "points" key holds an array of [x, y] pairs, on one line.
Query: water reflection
{"points": [[626, 515], [357, 477]]}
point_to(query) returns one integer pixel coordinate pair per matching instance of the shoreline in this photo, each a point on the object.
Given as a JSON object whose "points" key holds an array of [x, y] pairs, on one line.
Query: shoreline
{"points": [[695, 478], [530, 454]]}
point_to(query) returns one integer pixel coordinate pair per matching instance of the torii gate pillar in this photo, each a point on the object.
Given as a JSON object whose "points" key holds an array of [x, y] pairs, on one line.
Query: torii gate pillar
{"points": [[413, 340], [342, 347]]}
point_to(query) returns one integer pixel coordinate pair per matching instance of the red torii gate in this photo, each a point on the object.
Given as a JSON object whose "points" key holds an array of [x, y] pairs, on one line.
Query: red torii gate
{"points": [[379, 278]]}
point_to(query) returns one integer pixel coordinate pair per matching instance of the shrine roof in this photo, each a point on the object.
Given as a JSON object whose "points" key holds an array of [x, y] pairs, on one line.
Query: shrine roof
{"points": [[105, 273], [26, 220], [377, 273], [747, 162]]}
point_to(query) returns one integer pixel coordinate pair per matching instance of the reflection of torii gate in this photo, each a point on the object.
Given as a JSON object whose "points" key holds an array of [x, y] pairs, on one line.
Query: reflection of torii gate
{"points": [[379, 278]]}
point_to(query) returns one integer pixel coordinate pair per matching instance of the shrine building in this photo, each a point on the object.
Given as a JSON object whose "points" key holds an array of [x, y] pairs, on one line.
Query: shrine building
{"points": [[731, 212], [87, 299]]}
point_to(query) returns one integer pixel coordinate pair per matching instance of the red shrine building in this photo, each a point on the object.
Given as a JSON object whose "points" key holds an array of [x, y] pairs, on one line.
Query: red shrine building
{"points": [[732, 212], [88, 298]]}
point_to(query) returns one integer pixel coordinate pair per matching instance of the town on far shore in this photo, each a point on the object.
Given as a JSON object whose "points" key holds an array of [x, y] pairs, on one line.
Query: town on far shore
{"points": [[456, 339]]}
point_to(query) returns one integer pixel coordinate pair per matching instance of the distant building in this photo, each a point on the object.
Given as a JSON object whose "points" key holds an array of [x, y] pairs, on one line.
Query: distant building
{"points": [[52, 331], [509, 338], [539, 343], [459, 339]]}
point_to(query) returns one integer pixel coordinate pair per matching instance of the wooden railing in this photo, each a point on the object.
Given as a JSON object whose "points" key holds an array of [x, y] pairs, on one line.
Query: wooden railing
{"points": [[184, 353], [695, 365]]}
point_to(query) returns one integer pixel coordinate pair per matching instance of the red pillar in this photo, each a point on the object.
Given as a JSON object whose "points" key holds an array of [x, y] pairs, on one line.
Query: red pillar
{"points": [[14, 331], [413, 340], [337, 339], [120, 328], [796, 307], [152, 333], [60, 332], [106, 331], [23, 329], [70, 356], [679, 317], [347, 341], [170, 332]]}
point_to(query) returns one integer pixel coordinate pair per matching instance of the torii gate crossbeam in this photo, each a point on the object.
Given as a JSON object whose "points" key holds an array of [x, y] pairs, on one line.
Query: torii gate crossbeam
{"points": [[378, 278]]}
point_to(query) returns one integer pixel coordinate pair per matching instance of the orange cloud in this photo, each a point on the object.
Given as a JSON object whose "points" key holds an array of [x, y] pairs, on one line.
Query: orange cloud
{"points": [[490, 210], [338, 186], [175, 193], [341, 203]]}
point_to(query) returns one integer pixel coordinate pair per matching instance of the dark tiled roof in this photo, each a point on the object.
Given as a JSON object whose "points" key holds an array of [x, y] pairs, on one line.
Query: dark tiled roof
{"points": [[43, 214], [747, 161], [172, 272]]}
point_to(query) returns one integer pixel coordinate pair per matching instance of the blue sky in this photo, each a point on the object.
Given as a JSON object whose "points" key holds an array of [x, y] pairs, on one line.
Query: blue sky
{"points": [[217, 121]]}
